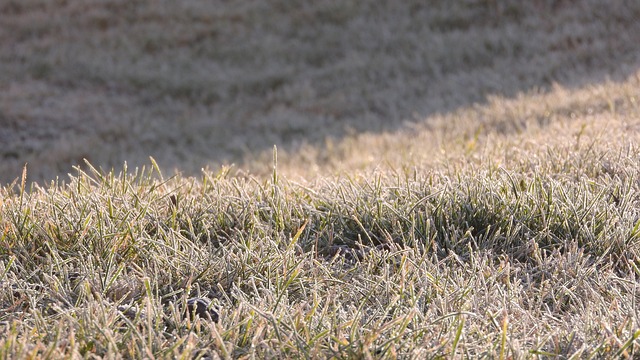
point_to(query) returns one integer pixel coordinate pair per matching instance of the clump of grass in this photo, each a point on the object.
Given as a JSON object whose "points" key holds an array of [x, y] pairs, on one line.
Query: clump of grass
{"points": [[486, 261]]}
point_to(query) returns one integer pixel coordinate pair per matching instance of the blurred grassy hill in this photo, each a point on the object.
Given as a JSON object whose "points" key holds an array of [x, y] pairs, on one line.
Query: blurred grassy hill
{"points": [[336, 85], [460, 177]]}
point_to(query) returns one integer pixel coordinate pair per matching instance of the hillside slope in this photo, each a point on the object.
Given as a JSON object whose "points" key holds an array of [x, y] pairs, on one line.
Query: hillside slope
{"points": [[209, 83], [487, 207]]}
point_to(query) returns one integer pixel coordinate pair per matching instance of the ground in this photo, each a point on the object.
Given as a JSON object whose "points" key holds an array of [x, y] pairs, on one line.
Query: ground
{"points": [[209, 83], [440, 179]]}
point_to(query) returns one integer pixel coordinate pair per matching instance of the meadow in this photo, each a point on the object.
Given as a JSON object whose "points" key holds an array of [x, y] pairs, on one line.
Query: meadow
{"points": [[449, 179]]}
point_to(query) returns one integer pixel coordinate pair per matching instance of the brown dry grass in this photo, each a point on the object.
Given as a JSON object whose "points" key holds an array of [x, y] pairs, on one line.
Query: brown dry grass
{"points": [[453, 179], [206, 83]]}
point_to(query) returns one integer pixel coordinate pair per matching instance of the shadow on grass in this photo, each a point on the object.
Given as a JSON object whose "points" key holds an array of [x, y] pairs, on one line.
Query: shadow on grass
{"points": [[201, 85]]}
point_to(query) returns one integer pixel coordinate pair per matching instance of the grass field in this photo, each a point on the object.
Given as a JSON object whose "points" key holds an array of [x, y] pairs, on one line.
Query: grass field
{"points": [[451, 179]]}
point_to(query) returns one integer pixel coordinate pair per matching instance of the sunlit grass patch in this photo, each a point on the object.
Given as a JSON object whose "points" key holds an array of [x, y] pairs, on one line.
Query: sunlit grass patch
{"points": [[488, 261]]}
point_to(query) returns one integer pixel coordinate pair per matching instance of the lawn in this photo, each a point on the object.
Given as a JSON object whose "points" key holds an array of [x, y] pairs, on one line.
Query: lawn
{"points": [[450, 179]]}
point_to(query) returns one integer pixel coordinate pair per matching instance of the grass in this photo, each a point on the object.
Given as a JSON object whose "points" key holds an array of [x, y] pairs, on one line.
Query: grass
{"points": [[474, 262], [500, 223], [207, 84]]}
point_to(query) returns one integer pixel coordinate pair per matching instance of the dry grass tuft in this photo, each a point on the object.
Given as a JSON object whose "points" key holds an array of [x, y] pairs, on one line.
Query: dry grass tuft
{"points": [[539, 255]]}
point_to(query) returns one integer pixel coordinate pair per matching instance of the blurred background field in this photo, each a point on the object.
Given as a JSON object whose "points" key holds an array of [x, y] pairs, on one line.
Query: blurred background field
{"points": [[336, 85]]}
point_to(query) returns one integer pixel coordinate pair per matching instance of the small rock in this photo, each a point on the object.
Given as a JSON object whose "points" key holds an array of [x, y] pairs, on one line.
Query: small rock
{"points": [[202, 308], [131, 312]]}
